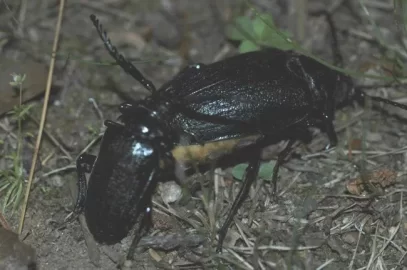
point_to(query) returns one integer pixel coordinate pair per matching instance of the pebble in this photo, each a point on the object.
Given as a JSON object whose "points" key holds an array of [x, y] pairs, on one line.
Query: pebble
{"points": [[170, 192]]}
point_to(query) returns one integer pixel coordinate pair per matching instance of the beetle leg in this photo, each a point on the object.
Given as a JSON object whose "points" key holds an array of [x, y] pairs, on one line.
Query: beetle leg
{"points": [[250, 176], [110, 123], [330, 130], [280, 160], [146, 224], [84, 164]]}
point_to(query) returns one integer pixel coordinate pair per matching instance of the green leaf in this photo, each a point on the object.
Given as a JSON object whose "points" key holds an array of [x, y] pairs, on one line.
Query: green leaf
{"points": [[239, 170], [25, 110], [239, 29], [263, 25], [12, 156], [261, 30], [247, 46], [20, 112], [268, 34], [281, 42], [265, 171], [5, 186], [18, 196], [9, 193]]}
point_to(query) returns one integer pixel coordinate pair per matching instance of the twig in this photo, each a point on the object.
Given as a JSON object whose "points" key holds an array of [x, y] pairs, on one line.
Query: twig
{"points": [[98, 111], [240, 259], [369, 37], [73, 165], [53, 139], [21, 17], [328, 262], [3, 126], [380, 5], [8, 8], [58, 170], [249, 250], [389, 240], [43, 115], [352, 261], [91, 144]]}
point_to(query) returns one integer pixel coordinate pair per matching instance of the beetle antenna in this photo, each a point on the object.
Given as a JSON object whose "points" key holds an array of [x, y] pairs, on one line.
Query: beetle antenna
{"points": [[390, 102], [359, 95], [338, 59], [125, 64]]}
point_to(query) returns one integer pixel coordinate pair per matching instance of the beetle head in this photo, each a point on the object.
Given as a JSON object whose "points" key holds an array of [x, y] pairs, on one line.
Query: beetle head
{"points": [[345, 91]]}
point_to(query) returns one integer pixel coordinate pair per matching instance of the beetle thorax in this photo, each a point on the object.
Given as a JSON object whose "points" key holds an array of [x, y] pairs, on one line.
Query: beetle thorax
{"points": [[148, 120]]}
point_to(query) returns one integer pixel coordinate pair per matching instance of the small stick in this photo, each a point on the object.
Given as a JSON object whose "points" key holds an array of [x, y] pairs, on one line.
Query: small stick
{"points": [[43, 115]]}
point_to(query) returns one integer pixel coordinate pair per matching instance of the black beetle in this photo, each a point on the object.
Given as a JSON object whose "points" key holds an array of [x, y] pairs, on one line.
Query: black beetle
{"points": [[124, 153], [270, 94]]}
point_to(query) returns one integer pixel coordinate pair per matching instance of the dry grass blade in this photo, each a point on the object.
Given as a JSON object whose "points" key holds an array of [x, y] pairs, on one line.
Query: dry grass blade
{"points": [[325, 264], [53, 139], [239, 260], [3, 222], [43, 115], [356, 249], [249, 250]]}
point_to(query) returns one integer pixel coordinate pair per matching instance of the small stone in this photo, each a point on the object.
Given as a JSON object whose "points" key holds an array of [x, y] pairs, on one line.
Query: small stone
{"points": [[170, 192], [231, 237], [393, 230], [128, 264], [350, 238], [314, 239], [56, 181]]}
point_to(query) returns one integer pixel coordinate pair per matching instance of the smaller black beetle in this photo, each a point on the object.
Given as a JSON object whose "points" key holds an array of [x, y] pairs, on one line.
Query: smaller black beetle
{"points": [[126, 151]]}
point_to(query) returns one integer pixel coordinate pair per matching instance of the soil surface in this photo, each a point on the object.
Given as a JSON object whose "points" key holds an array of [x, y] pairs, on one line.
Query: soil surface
{"points": [[326, 216]]}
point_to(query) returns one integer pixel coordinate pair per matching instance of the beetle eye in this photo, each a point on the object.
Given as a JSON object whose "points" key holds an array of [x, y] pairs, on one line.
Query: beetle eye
{"points": [[145, 129], [125, 107], [196, 66]]}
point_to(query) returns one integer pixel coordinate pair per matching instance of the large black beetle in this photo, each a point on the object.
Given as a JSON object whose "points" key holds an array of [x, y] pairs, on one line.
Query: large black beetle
{"points": [[269, 94]]}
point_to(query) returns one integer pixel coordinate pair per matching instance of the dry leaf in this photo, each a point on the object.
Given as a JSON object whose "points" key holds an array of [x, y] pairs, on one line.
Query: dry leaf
{"points": [[355, 144], [379, 179]]}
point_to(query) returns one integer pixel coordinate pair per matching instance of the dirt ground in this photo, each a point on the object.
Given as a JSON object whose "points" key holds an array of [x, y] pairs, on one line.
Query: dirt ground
{"points": [[314, 224]]}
